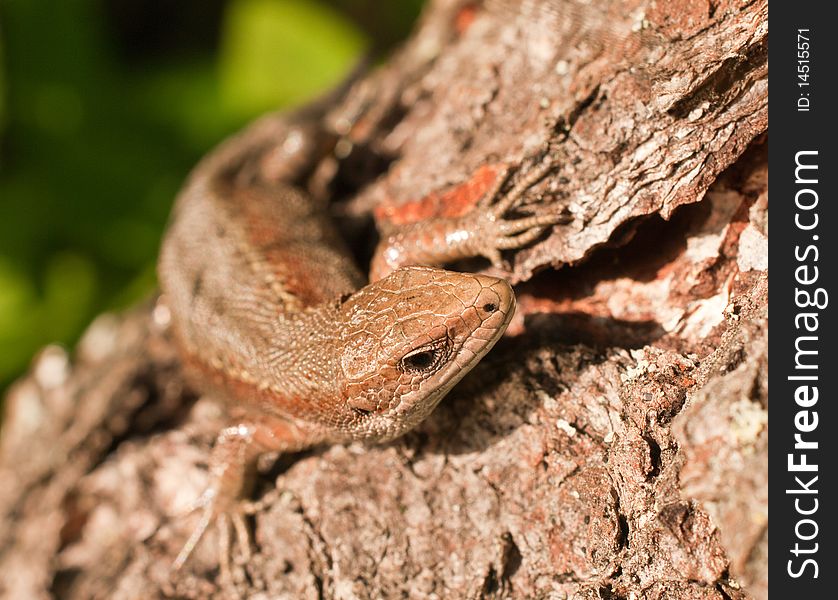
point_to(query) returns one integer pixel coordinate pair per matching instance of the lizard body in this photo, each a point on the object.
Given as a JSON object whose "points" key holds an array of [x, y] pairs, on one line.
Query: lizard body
{"points": [[269, 309]]}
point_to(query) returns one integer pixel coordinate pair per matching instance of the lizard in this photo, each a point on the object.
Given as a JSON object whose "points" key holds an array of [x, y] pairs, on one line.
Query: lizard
{"points": [[270, 313]]}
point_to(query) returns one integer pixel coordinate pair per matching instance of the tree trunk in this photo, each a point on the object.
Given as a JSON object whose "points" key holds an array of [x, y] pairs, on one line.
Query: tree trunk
{"points": [[613, 445]]}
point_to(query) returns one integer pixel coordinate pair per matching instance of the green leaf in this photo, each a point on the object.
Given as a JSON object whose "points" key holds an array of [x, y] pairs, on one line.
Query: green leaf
{"points": [[277, 53]]}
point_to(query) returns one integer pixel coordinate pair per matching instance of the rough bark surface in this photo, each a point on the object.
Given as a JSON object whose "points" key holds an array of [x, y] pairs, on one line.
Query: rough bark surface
{"points": [[614, 445]]}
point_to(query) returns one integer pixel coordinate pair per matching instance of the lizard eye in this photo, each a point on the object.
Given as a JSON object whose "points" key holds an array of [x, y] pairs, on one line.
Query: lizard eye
{"points": [[419, 361], [423, 360]]}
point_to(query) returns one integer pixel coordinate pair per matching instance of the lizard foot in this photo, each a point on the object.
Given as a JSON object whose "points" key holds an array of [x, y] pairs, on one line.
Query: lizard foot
{"points": [[223, 504], [229, 518], [491, 231], [485, 230]]}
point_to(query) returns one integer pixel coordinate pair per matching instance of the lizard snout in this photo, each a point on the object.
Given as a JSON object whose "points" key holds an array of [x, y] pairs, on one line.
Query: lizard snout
{"points": [[495, 302]]}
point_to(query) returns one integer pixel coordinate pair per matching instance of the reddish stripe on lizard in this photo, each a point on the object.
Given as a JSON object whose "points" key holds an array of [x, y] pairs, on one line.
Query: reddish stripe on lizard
{"points": [[259, 403], [465, 17], [281, 249], [454, 202]]}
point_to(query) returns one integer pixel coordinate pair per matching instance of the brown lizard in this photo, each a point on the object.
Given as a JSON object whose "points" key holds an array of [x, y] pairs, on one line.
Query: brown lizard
{"points": [[270, 311]]}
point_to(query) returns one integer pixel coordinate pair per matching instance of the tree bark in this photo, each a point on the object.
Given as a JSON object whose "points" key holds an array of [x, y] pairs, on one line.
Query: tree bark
{"points": [[613, 445]]}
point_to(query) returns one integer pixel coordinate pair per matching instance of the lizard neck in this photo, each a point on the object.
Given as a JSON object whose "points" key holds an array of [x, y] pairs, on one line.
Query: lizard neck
{"points": [[303, 361], [289, 368]]}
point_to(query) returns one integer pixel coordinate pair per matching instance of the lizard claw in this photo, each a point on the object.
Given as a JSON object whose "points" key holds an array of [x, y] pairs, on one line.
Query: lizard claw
{"points": [[493, 232], [482, 231], [233, 517], [223, 501]]}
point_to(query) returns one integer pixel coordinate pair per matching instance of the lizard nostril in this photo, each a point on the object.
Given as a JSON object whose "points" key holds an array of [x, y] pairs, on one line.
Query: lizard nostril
{"points": [[490, 307]]}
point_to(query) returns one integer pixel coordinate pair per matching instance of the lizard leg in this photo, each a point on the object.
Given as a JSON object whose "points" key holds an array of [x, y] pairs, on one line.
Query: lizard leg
{"points": [[498, 203], [491, 232], [232, 469], [231, 464], [483, 231]]}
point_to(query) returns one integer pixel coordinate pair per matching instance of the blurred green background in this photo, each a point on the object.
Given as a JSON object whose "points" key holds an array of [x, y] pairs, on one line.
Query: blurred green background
{"points": [[104, 107]]}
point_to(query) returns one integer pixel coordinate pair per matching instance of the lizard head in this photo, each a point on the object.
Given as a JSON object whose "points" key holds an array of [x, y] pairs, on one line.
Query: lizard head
{"points": [[408, 338]]}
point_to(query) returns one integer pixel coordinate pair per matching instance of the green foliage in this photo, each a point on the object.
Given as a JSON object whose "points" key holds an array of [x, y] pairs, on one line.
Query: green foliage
{"points": [[306, 45], [96, 139]]}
